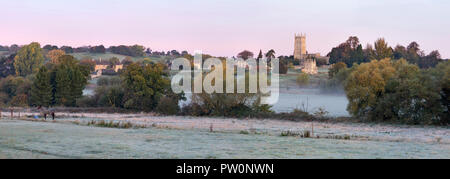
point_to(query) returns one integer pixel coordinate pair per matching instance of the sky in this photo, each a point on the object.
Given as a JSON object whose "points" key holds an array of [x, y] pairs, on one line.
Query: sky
{"points": [[226, 27]]}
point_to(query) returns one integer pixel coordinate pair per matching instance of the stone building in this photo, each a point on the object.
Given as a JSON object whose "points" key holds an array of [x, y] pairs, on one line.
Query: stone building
{"points": [[299, 46], [105, 65], [309, 66], [307, 60]]}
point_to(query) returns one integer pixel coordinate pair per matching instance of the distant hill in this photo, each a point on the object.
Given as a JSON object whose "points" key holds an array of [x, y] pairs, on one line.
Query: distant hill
{"points": [[108, 55]]}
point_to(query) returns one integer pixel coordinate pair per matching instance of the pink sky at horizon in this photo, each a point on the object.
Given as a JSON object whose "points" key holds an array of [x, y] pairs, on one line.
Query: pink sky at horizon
{"points": [[224, 28]]}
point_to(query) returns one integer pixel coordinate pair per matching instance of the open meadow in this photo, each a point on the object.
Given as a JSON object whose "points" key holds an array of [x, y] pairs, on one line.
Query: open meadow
{"points": [[76, 135]]}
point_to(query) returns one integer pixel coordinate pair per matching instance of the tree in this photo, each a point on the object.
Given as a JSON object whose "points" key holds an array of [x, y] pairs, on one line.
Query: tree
{"points": [[127, 61], [245, 54], [97, 49], [412, 96], [284, 66], [336, 68], [365, 84], [81, 49], [89, 64], [442, 76], [353, 42], [400, 52], [348, 52], [21, 100], [395, 103], [270, 54], [388, 90], [69, 81], [13, 49], [260, 55], [144, 86], [175, 53], [134, 51], [41, 90], [148, 51], [413, 49], [369, 53], [7, 66], [321, 61], [113, 62], [382, 50], [15, 88], [357, 55], [54, 55], [430, 60], [50, 47], [29, 59], [67, 49]]}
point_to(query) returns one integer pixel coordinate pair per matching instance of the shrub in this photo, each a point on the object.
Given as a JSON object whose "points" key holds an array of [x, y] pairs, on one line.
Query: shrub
{"points": [[193, 109], [168, 106], [304, 134], [86, 101], [303, 79], [321, 113]]}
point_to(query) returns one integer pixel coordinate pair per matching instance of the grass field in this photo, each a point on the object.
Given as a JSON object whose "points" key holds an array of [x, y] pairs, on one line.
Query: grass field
{"points": [[184, 137]]}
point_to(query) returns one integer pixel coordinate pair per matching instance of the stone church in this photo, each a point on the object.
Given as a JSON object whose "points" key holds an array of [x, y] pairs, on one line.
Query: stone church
{"points": [[307, 60]]}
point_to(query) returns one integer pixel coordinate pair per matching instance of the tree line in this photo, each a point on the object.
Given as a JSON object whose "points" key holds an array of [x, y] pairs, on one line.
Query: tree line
{"points": [[351, 52], [33, 77], [28, 81], [132, 50], [387, 89]]}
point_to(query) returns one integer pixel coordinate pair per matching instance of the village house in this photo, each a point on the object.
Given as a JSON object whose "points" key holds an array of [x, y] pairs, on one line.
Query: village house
{"points": [[105, 67]]}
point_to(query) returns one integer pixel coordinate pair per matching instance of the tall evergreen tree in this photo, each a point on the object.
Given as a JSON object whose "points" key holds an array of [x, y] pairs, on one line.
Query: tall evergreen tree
{"points": [[358, 55], [41, 91], [69, 81], [62, 86], [260, 56]]}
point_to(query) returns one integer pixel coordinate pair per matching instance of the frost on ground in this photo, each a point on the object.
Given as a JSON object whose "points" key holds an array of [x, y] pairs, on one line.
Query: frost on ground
{"points": [[188, 137]]}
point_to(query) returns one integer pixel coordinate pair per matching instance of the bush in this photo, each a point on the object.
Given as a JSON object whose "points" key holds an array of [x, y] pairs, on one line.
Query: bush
{"points": [[168, 106], [110, 96], [303, 79], [296, 115], [193, 109], [86, 101]]}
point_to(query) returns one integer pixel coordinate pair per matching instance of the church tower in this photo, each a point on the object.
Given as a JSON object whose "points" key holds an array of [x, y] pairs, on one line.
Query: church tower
{"points": [[299, 46]]}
